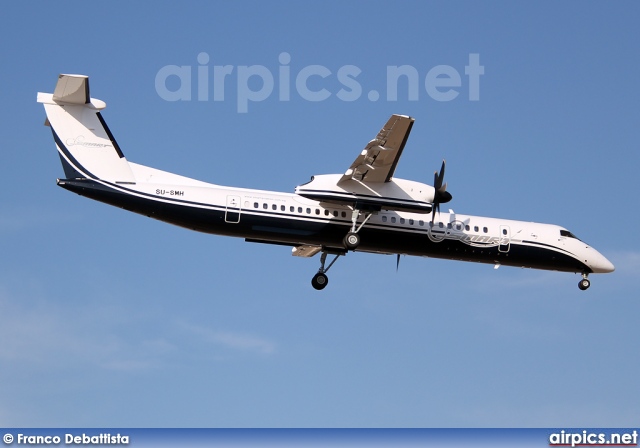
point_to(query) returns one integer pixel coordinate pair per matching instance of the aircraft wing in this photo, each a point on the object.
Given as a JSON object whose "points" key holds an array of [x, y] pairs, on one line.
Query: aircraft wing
{"points": [[377, 161]]}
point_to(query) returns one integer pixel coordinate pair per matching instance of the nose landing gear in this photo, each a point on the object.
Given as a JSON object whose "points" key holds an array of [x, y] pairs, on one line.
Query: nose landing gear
{"points": [[584, 283]]}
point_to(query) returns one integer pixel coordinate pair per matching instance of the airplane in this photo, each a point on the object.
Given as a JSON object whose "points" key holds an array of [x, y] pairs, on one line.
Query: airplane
{"points": [[365, 209]]}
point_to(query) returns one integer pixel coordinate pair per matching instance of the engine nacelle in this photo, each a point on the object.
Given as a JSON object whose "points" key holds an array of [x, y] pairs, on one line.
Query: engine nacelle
{"points": [[397, 194]]}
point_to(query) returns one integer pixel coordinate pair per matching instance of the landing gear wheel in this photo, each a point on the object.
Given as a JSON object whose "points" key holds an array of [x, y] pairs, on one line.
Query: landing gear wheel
{"points": [[352, 240], [584, 284], [319, 281]]}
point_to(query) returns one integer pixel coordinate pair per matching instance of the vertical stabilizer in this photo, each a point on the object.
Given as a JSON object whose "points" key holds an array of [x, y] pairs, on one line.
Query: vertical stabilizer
{"points": [[86, 146]]}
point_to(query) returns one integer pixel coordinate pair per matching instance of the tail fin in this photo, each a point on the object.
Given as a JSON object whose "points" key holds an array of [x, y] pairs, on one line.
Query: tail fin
{"points": [[85, 143]]}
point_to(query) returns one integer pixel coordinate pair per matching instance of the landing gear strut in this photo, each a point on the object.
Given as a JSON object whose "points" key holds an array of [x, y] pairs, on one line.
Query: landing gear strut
{"points": [[352, 240], [320, 280], [584, 283]]}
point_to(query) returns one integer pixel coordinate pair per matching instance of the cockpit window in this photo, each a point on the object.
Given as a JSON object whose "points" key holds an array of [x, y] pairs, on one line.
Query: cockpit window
{"points": [[568, 234]]}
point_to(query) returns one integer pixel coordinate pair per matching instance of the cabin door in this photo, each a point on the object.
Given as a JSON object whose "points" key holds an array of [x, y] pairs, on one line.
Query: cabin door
{"points": [[505, 239], [232, 213]]}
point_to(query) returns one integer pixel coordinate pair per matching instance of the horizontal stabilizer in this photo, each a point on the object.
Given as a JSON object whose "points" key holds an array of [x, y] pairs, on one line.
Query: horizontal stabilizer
{"points": [[73, 89]]}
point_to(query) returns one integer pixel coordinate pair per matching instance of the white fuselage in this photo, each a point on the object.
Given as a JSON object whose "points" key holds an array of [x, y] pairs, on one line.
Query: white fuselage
{"points": [[285, 218]]}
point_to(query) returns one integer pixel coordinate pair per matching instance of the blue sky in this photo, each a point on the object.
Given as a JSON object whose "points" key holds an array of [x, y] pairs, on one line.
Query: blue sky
{"points": [[113, 319]]}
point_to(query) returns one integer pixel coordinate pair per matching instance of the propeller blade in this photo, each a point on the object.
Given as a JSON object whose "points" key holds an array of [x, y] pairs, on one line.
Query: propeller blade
{"points": [[441, 194], [397, 262], [441, 176], [436, 207]]}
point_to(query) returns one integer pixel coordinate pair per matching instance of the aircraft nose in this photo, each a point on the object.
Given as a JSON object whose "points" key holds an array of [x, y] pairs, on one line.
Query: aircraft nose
{"points": [[601, 265]]}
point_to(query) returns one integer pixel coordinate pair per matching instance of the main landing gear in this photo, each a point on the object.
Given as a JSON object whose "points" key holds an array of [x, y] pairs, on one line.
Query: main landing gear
{"points": [[584, 283], [352, 240], [320, 280]]}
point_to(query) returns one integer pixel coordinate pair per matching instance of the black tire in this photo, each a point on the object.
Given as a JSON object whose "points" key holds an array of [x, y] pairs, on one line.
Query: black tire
{"points": [[319, 281], [351, 241], [584, 284]]}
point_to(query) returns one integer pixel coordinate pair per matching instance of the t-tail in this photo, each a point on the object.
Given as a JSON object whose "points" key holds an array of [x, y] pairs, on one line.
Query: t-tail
{"points": [[86, 146]]}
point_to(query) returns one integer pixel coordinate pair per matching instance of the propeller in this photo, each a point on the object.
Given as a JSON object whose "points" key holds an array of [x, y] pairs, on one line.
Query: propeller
{"points": [[441, 195]]}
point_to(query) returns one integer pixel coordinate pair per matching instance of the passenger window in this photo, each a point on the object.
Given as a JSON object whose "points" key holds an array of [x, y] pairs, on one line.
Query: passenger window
{"points": [[485, 230], [476, 229], [308, 211], [282, 207], [401, 220], [335, 213], [393, 219], [292, 209], [326, 213], [467, 228], [411, 222], [448, 225], [255, 205], [440, 225], [384, 219], [299, 209], [317, 211], [344, 214], [504, 231], [274, 207], [421, 222], [265, 206]]}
